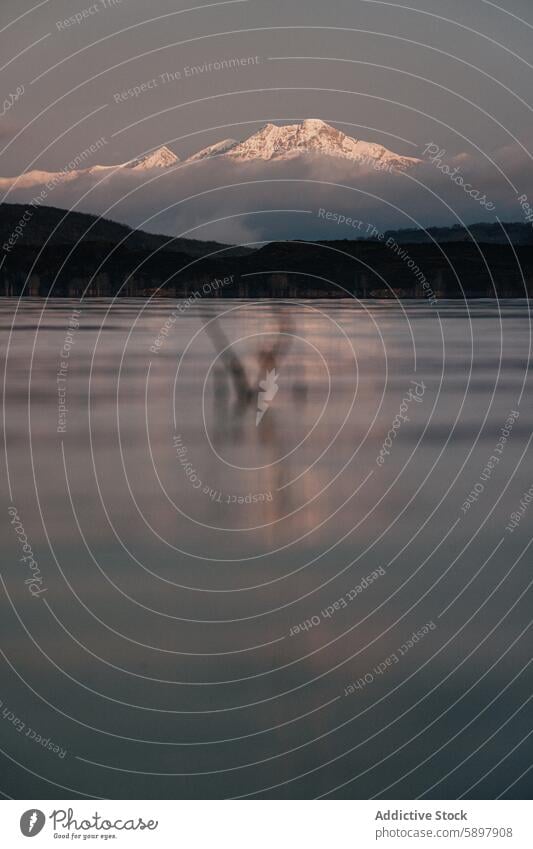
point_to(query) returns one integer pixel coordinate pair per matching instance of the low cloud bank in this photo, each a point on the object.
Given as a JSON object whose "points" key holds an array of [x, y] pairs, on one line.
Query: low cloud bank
{"points": [[303, 198]]}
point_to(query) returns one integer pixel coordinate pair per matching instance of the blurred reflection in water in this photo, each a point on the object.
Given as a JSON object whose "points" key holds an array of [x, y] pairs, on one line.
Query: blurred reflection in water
{"points": [[224, 557]]}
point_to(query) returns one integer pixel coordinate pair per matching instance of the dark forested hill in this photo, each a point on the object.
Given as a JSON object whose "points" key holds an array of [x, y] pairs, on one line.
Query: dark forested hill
{"points": [[113, 260], [59, 227]]}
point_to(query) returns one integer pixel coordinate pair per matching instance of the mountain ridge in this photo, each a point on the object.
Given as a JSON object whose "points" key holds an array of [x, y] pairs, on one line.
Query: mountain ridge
{"points": [[271, 143], [312, 136]]}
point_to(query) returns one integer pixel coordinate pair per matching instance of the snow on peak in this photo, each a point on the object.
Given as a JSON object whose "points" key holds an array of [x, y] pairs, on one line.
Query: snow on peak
{"points": [[163, 157], [213, 150], [311, 136]]}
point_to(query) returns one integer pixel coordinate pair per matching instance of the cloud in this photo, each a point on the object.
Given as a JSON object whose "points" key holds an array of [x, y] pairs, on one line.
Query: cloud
{"points": [[8, 128], [258, 201]]}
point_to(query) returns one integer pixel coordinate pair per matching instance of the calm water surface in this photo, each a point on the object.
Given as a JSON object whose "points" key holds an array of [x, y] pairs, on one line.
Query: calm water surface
{"points": [[239, 515]]}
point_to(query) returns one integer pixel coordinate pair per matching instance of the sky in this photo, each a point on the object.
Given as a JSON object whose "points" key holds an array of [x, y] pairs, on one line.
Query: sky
{"points": [[454, 74]]}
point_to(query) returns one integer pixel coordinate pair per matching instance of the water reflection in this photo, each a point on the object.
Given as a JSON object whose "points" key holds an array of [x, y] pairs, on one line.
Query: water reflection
{"points": [[184, 631]]}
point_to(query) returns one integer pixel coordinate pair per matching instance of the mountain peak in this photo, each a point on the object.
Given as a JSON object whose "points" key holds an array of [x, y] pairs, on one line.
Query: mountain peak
{"points": [[213, 150], [163, 157], [312, 136], [313, 124], [272, 143]]}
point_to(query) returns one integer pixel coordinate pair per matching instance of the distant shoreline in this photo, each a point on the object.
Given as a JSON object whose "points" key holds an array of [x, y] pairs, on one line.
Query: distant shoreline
{"points": [[52, 253]]}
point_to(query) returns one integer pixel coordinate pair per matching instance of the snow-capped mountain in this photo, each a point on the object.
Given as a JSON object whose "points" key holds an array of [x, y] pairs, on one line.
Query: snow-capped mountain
{"points": [[163, 157], [311, 136], [213, 150], [271, 143]]}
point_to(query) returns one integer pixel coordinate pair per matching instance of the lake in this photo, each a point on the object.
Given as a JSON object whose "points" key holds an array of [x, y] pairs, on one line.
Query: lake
{"points": [[266, 550]]}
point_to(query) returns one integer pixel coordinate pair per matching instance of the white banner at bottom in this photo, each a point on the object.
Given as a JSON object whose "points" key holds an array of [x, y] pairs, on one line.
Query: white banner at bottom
{"points": [[266, 824]]}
